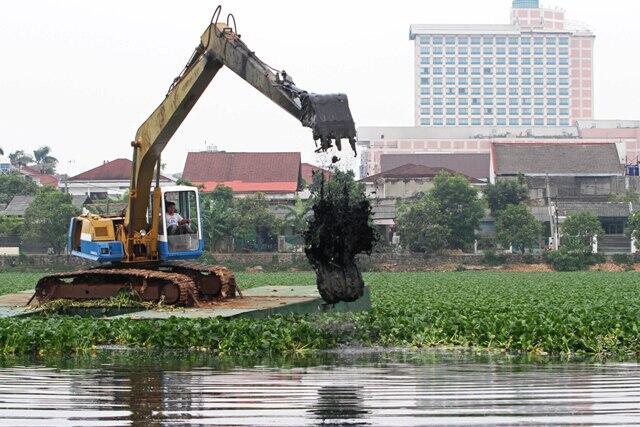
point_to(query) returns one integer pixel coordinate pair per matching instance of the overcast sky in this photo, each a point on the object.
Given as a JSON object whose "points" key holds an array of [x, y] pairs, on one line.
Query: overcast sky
{"points": [[81, 76]]}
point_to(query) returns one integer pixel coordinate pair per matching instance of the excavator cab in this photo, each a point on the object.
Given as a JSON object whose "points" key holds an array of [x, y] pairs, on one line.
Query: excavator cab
{"points": [[180, 231]]}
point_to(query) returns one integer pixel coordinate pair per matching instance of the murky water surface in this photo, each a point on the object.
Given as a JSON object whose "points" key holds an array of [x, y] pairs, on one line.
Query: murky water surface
{"points": [[124, 388]]}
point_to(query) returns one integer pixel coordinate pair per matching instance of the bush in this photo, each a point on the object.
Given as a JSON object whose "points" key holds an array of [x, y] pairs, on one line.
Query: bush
{"points": [[529, 259], [572, 260], [622, 259], [490, 257]]}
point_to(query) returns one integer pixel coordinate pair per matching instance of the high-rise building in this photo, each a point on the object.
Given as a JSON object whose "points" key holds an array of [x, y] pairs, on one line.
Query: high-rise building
{"points": [[535, 71]]}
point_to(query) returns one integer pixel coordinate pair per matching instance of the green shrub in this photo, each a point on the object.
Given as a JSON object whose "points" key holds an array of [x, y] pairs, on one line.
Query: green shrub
{"points": [[566, 259], [529, 259], [622, 259], [490, 257]]}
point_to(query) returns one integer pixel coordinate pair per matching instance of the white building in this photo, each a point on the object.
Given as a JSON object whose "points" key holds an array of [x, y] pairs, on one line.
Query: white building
{"points": [[535, 71]]}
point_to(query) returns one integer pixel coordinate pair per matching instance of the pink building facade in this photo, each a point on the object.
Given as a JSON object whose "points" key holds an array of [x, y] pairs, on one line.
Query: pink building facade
{"points": [[535, 71], [374, 142]]}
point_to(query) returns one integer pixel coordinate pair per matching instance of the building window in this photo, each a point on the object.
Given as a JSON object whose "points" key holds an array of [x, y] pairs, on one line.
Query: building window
{"points": [[564, 101], [525, 71], [463, 71], [513, 101], [551, 101], [437, 51], [501, 81], [424, 101], [488, 70], [564, 111], [564, 61], [475, 40], [437, 40], [475, 111], [437, 101], [526, 121], [513, 61], [487, 60], [551, 71], [475, 122], [487, 40], [437, 111], [475, 51], [564, 82], [488, 81], [437, 70], [424, 50], [538, 111], [475, 81], [539, 91], [437, 91], [501, 111], [451, 71], [488, 50], [424, 81], [450, 51], [525, 40], [462, 61], [424, 61], [513, 41], [513, 90], [475, 61], [462, 91], [538, 81], [526, 61], [564, 91], [513, 51], [539, 51], [551, 111], [424, 91], [513, 71], [451, 111], [501, 122], [475, 91], [463, 81], [551, 61], [551, 51], [463, 101], [501, 40], [526, 111], [437, 122], [475, 101], [463, 50], [552, 82], [513, 111], [564, 71], [526, 51], [564, 51], [451, 81], [488, 122], [539, 101], [501, 101], [488, 101], [564, 122], [463, 111], [501, 91], [450, 61], [450, 40], [564, 41], [501, 61], [526, 90], [552, 41], [538, 41], [488, 91], [501, 51], [526, 101], [437, 61], [451, 121], [463, 40], [514, 122], [551, 91], [475, 71], [451, 91], [425, 111], [424, 40], [463, 122], [488, 111], [552, 122], [425, 122]]}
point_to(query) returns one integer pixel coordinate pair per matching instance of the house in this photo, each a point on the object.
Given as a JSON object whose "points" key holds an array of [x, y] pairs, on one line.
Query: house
{"points": [[109, 179], [39, 178], [308, 170], [473, 165], [17, 206], [404, 181], [568, 178], [277, 175]]}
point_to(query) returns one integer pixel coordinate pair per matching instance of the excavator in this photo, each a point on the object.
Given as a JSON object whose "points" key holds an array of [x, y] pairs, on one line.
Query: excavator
{"points": [[136, 250]]}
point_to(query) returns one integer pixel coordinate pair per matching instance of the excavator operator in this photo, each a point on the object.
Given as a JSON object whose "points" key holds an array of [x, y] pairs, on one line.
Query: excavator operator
{"points": [[175, 223]]}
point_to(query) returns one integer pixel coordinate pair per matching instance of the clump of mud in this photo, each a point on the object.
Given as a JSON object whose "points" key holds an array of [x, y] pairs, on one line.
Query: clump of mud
{"points": [[339, 230]]}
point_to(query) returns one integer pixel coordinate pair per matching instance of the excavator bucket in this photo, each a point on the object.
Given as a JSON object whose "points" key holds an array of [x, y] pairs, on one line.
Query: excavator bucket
{"points": [[329, 118]]}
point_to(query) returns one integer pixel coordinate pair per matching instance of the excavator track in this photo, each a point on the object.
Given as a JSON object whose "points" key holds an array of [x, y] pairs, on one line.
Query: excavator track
{"points": [[173, 283]]}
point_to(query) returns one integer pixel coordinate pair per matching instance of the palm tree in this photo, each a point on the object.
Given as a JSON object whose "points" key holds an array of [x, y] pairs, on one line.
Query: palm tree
{"points": [[45, 162], [20, 158], [297, 216]]}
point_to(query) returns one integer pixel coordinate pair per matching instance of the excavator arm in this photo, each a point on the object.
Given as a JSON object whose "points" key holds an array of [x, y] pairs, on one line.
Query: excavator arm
{"points": [[328, 116]]}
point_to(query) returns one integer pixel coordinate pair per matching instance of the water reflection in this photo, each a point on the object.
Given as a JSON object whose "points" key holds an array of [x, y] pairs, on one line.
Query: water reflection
{"points": [[149, 389]]}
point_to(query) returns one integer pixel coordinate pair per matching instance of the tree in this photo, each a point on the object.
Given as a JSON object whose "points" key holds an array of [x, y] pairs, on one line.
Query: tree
{"points": [[11, 226], [460, 206], [20, 158], [216, 215], [47, 218], [44, 161], [579, 229], [516, 226], [12, 184], [253, 222], [297, 216], [505, 193], [1, 152], [421, 224]]}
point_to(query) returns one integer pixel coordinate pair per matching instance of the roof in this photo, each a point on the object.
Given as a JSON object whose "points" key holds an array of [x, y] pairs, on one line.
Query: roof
{"points": [[376, 133], [36, 175], [244, 172], [473, 165], [18, 205], [308, 170], [601, 209], [115, 170], [569, 159], [410, 171]]}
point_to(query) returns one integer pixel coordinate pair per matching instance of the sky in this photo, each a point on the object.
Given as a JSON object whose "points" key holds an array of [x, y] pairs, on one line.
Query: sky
{"points": [[81, 76]]}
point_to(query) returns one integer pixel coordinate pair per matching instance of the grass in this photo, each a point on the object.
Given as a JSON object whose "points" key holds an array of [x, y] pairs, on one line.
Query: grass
{"points": [[555, 313]]}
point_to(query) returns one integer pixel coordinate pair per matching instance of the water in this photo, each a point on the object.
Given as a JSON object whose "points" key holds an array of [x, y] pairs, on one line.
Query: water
{"points": [[129, 388]]}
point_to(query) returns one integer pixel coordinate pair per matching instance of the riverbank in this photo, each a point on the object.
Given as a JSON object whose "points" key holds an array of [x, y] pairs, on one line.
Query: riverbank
{"points": [[540, 313]]}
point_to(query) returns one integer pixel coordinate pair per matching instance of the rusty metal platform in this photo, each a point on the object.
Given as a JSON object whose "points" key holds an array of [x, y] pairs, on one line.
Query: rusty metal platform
{"points": [[257, 303]]}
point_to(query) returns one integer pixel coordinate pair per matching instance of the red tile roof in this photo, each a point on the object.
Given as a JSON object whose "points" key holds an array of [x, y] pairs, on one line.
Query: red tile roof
{"points": [[411, 171], [42, 178], [115, 170], [308, 169], [244, 172]]}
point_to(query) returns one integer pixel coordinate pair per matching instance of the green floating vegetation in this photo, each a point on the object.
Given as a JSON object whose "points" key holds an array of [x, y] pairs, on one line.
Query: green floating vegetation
{"points": [[537, 313]]}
